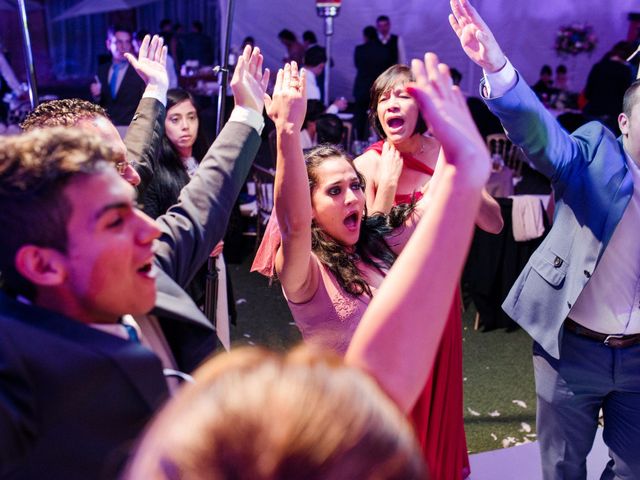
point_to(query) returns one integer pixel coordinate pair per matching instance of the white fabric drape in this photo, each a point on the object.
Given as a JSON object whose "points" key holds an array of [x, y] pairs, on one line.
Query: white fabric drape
{"points": [[525, 28]]}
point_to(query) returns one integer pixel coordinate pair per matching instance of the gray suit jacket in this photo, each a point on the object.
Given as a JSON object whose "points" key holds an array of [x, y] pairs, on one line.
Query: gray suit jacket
{"points": [[592, 188]]}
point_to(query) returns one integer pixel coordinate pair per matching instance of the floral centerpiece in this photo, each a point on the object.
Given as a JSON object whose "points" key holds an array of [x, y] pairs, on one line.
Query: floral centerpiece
{"points": [[575, 39]]}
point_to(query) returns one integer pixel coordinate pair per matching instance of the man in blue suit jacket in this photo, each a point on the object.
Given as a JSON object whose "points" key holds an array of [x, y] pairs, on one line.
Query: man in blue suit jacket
{"points": [[579, 295]]}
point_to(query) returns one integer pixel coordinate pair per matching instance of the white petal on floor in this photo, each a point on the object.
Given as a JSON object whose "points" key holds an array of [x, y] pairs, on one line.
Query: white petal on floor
{"points": [[251, 343], [493, 435], [525, 427], [524, 440], [473, 412], [519, 403], [506, 442], [240, 301], [246, 335], [292, 323], [531, 435], [495, 413]]}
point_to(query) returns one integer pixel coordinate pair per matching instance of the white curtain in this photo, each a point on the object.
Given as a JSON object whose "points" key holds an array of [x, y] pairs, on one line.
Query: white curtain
{"points": [[525, 28]]}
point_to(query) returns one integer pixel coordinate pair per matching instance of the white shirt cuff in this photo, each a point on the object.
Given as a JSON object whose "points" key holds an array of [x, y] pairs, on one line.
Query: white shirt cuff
{"points": [[248, 116], [500, 82], [151, 91]]}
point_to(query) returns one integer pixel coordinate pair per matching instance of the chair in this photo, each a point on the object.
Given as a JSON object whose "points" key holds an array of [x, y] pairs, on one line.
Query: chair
{"points": [[499, 144], [263, 179]]}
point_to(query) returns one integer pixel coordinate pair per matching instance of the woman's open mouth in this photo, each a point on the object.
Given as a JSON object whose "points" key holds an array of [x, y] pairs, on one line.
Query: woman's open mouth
{"points": [[351, 221], [395, 124]]}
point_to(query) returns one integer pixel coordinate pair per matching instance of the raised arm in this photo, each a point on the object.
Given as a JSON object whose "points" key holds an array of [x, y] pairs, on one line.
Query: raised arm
{"points": [[144, 135], [527, 122], [192, 227], [294, 266], [397, 339]]}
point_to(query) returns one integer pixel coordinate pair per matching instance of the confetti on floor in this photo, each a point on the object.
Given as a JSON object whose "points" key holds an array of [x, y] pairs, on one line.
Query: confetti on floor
{"points": [[473, 412], [246, 335], [493, 435], [240, 301], [495, 413], [519, 403], [525, 427]]}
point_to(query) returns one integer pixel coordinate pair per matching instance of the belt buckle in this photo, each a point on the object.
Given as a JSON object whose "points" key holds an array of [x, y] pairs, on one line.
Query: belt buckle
{"points": [[609, 337]]}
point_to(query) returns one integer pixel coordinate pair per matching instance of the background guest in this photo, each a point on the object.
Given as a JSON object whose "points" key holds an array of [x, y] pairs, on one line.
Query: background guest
{"points": [[295, 50], [393, 42], [118, 88], [371, 58]]}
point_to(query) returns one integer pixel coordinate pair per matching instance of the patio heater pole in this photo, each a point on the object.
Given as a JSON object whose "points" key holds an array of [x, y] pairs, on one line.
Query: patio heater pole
{"points": [[211, 284], [327, 10], [223, 69], [28, 55]]}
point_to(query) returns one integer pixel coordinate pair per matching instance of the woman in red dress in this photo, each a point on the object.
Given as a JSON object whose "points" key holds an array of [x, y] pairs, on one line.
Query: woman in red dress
{"points": [[397, 170]]}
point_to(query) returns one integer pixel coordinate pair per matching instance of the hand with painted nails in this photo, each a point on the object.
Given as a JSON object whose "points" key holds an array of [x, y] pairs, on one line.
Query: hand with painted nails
{"points": [[476, 38], [249, 83], [444, 108], [288, 105], [151, 63]]}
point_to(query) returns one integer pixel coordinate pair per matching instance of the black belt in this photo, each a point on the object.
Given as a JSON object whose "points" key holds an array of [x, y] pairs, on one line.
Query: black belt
{"points": [[613, 341]]}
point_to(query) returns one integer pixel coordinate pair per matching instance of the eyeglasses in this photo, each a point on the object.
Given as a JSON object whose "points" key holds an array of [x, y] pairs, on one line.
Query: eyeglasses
{"points": [[122, 165]]}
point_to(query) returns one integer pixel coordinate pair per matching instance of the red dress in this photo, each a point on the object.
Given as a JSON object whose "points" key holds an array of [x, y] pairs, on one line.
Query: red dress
{"points": [[437, 416]]}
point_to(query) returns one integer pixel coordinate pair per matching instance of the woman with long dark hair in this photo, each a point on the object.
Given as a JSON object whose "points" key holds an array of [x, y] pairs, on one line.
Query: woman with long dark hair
{"points": [[183, 147], [331, 258]]}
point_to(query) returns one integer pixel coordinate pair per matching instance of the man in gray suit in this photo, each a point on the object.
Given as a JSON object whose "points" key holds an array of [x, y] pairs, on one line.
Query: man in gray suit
{"points": [[93, 315], [579, 294]]}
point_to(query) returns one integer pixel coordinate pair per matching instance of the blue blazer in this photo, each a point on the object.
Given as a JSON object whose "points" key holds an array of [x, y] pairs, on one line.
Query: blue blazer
{"points": [[592, 188]]}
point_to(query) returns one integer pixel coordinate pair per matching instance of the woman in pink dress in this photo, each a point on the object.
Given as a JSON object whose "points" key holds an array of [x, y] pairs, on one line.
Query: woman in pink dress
{"points": [[332, 258]]}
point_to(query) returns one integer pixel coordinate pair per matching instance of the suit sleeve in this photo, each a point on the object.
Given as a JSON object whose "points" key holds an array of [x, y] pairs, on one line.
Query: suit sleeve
{"points": [[531, 126], [144, 137], [192, 227], [17, 417]]}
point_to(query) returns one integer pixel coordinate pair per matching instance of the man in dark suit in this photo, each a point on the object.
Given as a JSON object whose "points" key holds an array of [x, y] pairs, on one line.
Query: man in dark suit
{"points": [[93, 312], [371, 59], [119, 88], [393, 42]]}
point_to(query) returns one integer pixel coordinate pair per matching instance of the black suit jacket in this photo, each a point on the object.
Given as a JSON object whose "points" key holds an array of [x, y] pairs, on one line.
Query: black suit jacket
{"points": [[73, 399], [123, 106], [371, 59]]}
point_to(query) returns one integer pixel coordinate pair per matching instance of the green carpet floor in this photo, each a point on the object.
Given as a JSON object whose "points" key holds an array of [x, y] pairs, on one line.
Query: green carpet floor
{"points": [[498, 374]]}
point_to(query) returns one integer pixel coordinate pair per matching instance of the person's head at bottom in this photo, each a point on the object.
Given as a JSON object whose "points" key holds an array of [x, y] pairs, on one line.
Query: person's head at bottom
{"points": [[256, 414]]}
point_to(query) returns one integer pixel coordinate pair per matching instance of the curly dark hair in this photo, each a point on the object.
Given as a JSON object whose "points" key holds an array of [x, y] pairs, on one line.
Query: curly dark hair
{"points": [[386, 80], [35, 168], [62, 113], [372, 247]]}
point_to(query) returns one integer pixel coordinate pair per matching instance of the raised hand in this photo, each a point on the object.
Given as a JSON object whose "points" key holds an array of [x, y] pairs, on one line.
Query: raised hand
{"points": [[444, 108], [288, 105], [249, 84], [151, 63], [390, 165], [475, 36]]}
